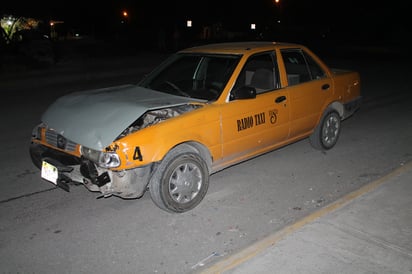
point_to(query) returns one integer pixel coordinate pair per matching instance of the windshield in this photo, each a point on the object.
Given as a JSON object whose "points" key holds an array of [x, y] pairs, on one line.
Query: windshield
{"points": [[193, 75]]}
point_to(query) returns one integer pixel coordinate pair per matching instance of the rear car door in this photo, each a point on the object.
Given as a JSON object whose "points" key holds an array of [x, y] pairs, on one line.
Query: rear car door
{"points": [[309, 89]]}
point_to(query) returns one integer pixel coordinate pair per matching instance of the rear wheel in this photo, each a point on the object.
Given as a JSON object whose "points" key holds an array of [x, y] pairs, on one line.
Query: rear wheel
{"points": [[326, 134], [180, 182]]}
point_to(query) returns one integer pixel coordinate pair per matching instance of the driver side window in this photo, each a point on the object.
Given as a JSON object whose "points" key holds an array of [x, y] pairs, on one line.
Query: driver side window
{"points": [[260, 73]]}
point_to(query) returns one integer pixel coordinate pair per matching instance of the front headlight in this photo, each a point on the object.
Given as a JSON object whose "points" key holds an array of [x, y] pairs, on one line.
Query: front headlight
{"points": [[102, 159]]}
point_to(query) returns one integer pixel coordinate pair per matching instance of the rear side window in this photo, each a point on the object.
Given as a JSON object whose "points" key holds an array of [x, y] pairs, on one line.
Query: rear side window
{"points": [[300, 67], [315, 69]]}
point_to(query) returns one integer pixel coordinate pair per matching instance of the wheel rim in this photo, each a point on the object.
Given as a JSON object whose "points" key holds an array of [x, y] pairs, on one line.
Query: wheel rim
{"points": [[185, 182], [331, 130]]}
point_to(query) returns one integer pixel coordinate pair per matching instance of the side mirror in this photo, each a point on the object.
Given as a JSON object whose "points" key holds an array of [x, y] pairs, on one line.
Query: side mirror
{"points": [[245, 92]]}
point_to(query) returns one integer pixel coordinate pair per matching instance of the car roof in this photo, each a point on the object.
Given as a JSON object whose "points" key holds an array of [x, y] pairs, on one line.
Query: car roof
{"points": [[239, 47]]}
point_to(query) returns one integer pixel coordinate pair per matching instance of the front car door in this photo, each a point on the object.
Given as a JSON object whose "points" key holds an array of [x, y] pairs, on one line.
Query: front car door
{"points": [[255, 125]]}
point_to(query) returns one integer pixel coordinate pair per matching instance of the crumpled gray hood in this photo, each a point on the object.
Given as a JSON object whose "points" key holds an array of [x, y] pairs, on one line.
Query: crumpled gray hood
{"points": [[95, 118]]}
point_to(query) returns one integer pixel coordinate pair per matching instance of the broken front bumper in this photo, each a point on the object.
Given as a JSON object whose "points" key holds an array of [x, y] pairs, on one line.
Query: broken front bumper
{"points": [[68, 169]]}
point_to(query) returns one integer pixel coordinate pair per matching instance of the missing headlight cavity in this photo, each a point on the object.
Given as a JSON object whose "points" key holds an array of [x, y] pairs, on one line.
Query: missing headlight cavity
{"points": [[153, 117]]}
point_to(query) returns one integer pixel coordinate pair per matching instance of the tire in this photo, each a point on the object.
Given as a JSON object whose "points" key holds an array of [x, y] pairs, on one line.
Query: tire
{"points": [[180, 182], [326, 134]]}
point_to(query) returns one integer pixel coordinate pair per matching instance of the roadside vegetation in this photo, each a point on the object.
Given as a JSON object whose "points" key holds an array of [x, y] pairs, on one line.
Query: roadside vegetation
{"points": [[25, 43]]}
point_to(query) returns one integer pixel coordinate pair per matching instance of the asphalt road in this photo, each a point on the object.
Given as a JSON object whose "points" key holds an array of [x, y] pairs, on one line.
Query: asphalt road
{"points": [[46, 230]]}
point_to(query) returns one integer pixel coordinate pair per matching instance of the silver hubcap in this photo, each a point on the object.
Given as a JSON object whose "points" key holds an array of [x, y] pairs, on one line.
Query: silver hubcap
{"points": [[330, 130], [185, 182]]}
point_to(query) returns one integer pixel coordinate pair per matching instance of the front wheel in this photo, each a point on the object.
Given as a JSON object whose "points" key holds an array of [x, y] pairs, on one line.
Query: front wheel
{"points": [[326, 134], [180, 182]]}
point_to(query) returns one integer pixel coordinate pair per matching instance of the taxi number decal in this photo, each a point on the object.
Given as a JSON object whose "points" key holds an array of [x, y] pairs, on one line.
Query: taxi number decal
{"points": [[273, 114], [250, 121]]}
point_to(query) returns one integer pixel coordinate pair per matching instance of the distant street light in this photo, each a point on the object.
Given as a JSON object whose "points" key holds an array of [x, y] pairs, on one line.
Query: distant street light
{"points": [[278, 10], [125, 15], [53, 32]]}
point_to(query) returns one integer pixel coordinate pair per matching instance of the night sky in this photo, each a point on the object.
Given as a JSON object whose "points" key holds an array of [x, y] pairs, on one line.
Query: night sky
{"points": [[347, 16]]}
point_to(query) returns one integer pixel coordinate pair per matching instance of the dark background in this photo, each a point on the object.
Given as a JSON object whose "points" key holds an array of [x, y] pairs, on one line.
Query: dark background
{"points": [[99, 28], [350, 19]]}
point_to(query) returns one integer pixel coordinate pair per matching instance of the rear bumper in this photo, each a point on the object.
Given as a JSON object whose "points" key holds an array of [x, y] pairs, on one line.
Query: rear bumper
{"points": [[352, 106]]}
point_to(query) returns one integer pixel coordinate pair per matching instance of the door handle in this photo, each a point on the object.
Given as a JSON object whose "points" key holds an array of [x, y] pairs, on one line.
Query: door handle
{"points": [[280, 99], [325, 86]]}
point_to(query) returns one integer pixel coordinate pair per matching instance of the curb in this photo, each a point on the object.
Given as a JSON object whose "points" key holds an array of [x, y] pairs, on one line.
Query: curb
{"points": [[260, 246]]}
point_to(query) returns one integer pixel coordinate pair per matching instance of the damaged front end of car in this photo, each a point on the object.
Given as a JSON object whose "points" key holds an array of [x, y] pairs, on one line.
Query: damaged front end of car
{"points": [[115, 170]]}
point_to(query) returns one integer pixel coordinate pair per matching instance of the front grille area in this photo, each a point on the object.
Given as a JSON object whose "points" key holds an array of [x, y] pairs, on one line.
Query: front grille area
{"points": [[57, 140]]}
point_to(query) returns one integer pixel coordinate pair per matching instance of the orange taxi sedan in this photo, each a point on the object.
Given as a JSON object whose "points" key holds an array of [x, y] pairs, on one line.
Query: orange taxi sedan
{"points": [[203, 109]]}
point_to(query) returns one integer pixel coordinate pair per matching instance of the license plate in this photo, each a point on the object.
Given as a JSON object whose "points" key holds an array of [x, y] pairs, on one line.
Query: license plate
{"points": [[49, 172]]}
